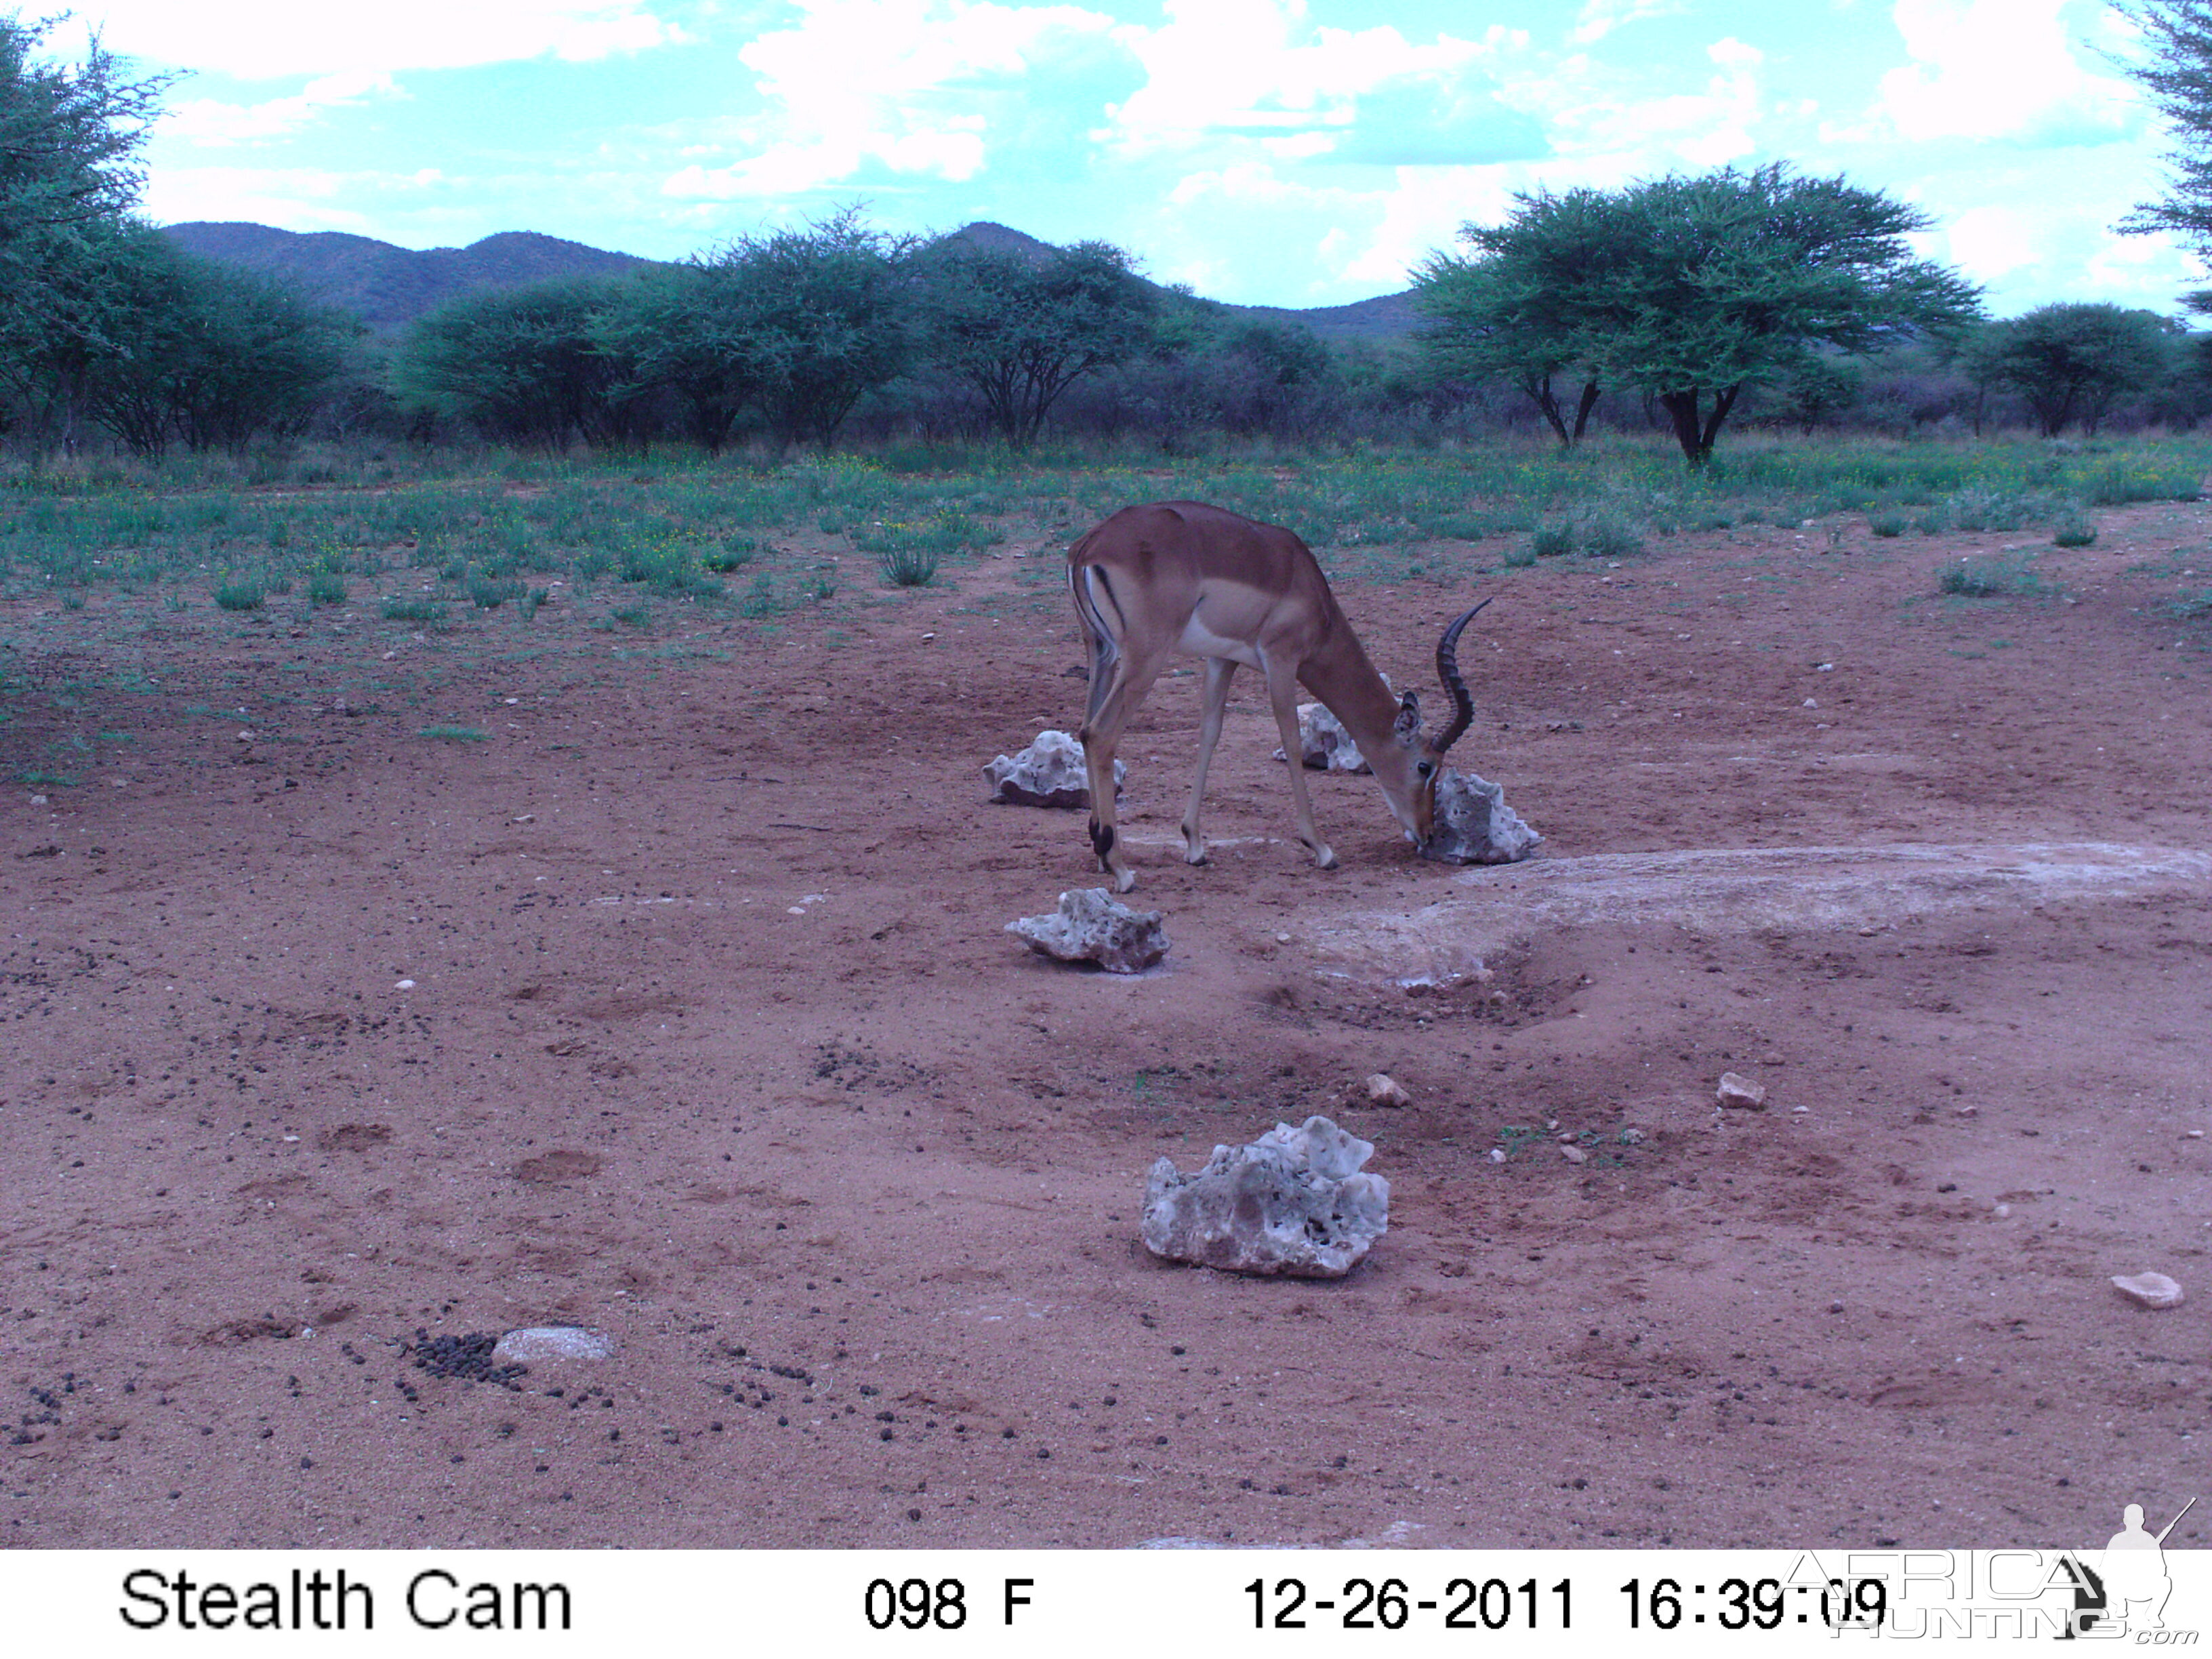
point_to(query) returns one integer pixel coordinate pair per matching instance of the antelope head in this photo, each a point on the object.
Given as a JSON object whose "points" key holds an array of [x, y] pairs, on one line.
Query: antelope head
{"points": [[1415, 762]]}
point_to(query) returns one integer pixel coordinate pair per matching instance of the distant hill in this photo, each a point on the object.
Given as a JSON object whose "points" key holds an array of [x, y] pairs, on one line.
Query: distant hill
{"points": [[390, 287], [1386, 317]]}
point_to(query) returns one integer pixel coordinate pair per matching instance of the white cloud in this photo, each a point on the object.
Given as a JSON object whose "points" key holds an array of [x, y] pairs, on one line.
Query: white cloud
{"points": [[208, 121], [1988, 243], [1230, 66], [260, 40], [1996, 68], [863, 80], [1598, 18], [1600, 116]]}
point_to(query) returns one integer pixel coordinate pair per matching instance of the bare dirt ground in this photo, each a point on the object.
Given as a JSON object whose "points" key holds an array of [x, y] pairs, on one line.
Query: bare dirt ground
{"points": [[714, 1042]]}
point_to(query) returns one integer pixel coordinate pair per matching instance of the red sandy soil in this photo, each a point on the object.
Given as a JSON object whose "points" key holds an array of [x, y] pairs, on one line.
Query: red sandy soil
{"points": [[715, 1043]]}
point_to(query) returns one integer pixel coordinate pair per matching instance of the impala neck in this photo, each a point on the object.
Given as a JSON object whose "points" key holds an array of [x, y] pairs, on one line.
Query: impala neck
{"points": [[1349, 687]]}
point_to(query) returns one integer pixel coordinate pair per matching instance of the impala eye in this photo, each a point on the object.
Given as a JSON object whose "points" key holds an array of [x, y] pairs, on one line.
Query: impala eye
{"points": [[1426, 769]]}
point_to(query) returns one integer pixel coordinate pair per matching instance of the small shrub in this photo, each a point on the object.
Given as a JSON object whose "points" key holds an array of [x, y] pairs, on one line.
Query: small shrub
{"points": [[1979, 508], [1609, 536], [819, 587], [326, 588], [1521, 556], [1993, 579], [760, 599], [240, 595], [419, 610], [908, 564], [2075, 530], [2189, 607], [636, 615], [453, 734], [1552, 541], [488, 595], [530, 601], [1889, 524], [734, 553]]}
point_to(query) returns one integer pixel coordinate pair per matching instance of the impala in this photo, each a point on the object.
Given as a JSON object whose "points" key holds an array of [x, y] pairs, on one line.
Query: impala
{"points": [[1181, 576]]}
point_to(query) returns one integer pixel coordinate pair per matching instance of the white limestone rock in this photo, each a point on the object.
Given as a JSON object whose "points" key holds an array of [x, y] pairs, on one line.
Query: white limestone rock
{"points": [[536, 1344], [1740, 1092], [1092, 926], [1293, 1202], [1473, 824], [1049, 773], [2149, 1290], [1323, 743]]}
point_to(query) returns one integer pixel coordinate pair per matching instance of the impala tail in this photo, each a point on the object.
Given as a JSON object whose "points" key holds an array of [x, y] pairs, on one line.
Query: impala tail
{"points": [[1094, 594]]}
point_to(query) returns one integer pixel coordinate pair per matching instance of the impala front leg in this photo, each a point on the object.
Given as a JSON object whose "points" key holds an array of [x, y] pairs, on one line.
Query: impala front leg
{"points": [[1219, 670], [1283, 694]]}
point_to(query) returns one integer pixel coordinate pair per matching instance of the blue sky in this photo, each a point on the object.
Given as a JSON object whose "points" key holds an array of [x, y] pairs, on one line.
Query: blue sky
{"points": [[1282, 152]]}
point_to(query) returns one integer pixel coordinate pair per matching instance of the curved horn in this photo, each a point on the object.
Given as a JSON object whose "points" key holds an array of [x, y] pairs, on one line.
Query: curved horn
{"points": [[1448, 671]]}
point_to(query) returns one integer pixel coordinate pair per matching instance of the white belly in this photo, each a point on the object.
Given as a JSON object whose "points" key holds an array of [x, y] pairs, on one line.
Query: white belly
{"points": [[1198, 641]]}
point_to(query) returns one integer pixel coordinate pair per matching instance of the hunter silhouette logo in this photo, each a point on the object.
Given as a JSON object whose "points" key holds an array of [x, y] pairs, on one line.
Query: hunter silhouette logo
{"points": [[2135, 1570], [2127, 1589]]}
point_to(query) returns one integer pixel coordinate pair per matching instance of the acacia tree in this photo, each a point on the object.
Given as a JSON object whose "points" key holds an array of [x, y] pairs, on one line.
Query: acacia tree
{"points": [[1506, 312], [686, 329], [815, 317], [2177, 74], [522, 363], [1021, 330], [2071, 362], [70, 176], [1692, 289]]}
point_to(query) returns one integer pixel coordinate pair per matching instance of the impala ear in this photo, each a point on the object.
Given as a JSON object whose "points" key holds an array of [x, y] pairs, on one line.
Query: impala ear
{"points": [[1407, 726]]}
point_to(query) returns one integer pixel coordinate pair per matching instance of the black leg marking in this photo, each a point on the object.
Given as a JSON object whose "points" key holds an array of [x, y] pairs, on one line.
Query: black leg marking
{"points": [[1102, 841]]}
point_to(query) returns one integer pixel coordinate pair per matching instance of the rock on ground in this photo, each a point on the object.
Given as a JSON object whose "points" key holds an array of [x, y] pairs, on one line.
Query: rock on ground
{"points": [[2149, 1290], [1740, 1092], [535, 1344], [1092, 926], [1383, 1090], [1293, 1202], [1473, 824], [1323, 743], [1049, 773]]}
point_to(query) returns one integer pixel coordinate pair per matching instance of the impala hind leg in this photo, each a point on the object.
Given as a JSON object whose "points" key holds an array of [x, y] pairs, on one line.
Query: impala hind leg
{"points": [[1283, 696], [1219, 670], [1118, 684]]}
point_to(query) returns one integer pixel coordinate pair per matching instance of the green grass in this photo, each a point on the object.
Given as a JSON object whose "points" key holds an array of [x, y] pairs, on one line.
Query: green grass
{"points": [[240, 595], [672, 526], [453, 734], [908, 564], [1999, 576]]}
